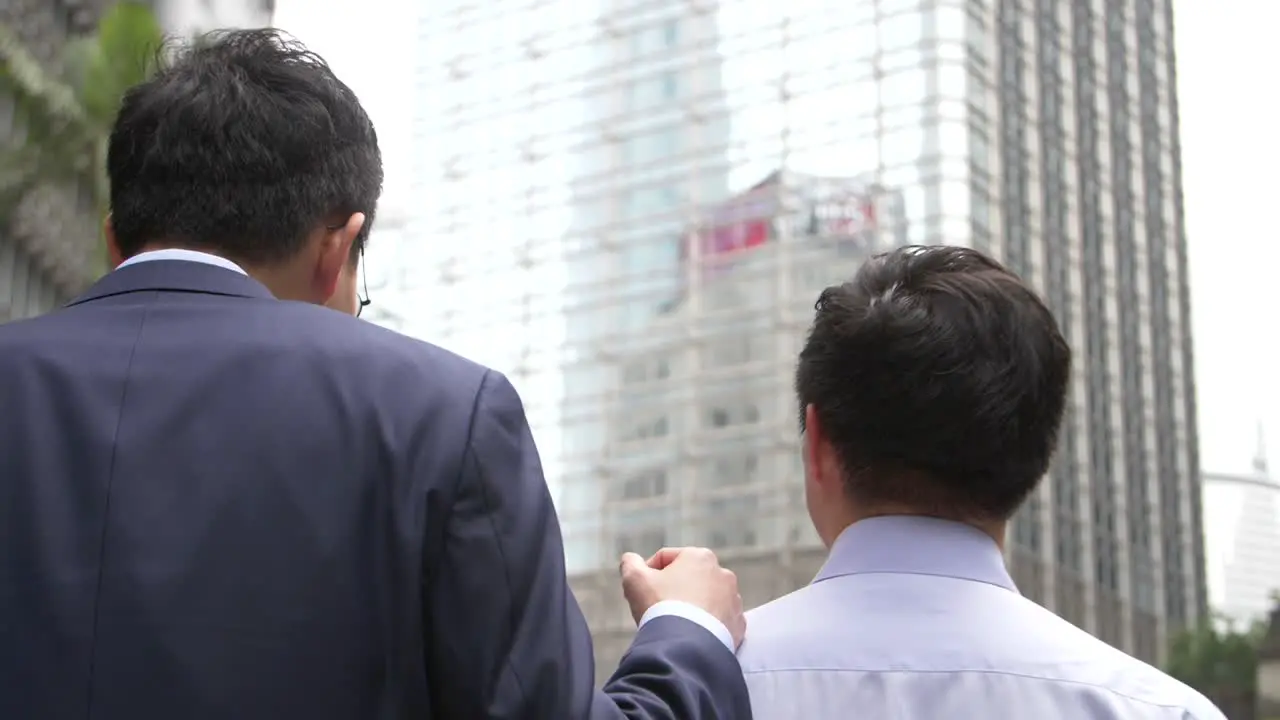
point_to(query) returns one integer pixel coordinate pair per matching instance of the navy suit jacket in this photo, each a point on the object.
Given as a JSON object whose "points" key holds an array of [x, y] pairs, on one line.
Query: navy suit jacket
{"points": [[216, 504]]}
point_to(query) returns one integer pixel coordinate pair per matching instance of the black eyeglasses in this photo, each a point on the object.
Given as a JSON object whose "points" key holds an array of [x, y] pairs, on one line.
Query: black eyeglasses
{"points": [[362, 298]]}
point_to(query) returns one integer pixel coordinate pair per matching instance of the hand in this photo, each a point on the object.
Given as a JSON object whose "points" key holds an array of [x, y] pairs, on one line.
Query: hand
{"points": [[691, 575]]}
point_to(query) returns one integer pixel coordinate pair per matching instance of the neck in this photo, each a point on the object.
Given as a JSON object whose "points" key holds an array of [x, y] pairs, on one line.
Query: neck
{"points": [[995, 529], [161, 247], [281, 280], [282, 283]]}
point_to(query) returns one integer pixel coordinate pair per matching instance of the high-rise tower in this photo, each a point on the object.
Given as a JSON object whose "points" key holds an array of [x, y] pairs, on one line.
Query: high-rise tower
{"points": [[1046, 134], [1079, 118], [654, 150], [617, 150]]}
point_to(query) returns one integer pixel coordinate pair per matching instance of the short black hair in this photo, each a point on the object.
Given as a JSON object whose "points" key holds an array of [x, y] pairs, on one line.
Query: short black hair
{"points": [[940, 379], [242, 144]]}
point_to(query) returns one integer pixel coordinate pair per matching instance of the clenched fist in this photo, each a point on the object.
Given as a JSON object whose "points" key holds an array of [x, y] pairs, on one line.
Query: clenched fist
{"points": [[691, 575]]}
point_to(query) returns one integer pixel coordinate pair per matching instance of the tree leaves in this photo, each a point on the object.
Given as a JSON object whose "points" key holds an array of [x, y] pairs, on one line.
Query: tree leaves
{"points": [[50, 124], [63, 121], [1218, 660], [123, 53]]}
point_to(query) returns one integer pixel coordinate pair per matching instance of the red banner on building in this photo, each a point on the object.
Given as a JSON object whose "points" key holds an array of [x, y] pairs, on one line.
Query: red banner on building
{"points": [[740, 223]]}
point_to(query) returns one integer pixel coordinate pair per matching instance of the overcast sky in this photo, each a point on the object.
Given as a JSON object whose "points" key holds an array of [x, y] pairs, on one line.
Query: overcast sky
{"points": [[1231, 154]]}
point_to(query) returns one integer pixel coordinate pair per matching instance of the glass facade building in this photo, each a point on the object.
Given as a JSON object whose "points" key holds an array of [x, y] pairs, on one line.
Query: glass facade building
{"points": [[654, 125], [387, 267], [631, 207]]}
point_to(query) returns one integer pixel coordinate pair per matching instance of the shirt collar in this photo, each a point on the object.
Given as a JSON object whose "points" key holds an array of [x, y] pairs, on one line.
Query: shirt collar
{"points": [[917, 546], [180, 254]]}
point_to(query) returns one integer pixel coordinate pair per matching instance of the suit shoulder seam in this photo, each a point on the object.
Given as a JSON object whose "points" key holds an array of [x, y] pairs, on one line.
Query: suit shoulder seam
{"points": [[469, 458], [467, 452], [106, 510]]}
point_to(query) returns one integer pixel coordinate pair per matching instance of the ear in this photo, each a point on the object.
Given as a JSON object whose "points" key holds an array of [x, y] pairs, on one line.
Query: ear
{"points": [[819, 456], [114, 256], [334, 255]]}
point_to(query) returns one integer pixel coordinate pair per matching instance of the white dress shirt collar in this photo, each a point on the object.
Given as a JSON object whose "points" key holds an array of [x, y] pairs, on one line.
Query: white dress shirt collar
{"points": [[185, 255], [919, 546]]}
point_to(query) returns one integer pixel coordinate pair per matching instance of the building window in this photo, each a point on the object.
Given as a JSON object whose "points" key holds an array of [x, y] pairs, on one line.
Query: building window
{"points": [[644, 542], [670, 87], [646, 370], [736, 414], [652, 90], [634, 373], [670, 33], [733, 525], [648, 484], [649, 201], [726, 352], [651, 429], [730, 539], [650, 147], [731, 470]]}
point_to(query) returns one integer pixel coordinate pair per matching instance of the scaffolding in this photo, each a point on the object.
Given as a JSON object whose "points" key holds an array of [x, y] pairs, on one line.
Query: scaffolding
{"points": [[631, 207], [569, 219], [633, 213]]}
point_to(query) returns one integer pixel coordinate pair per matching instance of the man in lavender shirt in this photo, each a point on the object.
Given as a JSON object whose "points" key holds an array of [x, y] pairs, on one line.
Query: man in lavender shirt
{"points": [[931, 390]]}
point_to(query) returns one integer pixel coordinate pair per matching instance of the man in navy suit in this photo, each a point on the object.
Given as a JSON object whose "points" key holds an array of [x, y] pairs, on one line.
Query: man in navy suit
{"points": [[219, 499]]}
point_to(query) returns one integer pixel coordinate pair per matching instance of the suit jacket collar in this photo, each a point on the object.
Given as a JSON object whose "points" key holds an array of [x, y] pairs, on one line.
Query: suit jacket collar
{"points": [[175, 276]]}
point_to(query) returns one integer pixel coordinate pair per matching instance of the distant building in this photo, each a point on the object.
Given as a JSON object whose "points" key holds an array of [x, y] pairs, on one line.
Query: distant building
{"points": [[1242, 533], [701, 436], [653, 133], [195, 17], [385, 267], [1044, 133]]}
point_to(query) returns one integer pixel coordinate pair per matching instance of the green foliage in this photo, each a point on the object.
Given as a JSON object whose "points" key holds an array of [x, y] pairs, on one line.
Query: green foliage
{"points": [[1218, 660], [67, 116], [122, 53], [48, 111]]}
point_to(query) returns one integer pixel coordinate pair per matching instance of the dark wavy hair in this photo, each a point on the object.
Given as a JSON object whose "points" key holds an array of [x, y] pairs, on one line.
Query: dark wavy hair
{"points": [[940, 379], [242, 144]]}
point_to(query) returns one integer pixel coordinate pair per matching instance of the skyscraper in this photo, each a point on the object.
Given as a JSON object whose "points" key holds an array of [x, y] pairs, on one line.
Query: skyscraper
{"points": [[654, 133], [1047, 135], [561, 149], [1042, 132], [1080, 128]]}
